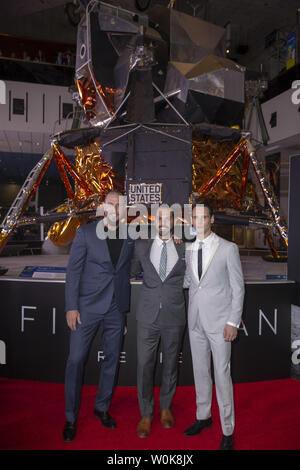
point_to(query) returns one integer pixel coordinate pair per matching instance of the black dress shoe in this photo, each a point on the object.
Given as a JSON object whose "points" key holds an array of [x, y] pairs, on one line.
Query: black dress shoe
{"points": [[105, 419], [198, 426], [227, 443], [69, 431]]}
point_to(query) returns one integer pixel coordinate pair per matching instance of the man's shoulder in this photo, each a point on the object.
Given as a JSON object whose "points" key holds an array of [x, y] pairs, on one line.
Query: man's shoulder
{"points": [[89, 227], [90, 230], [142, 243], [226, 243]]}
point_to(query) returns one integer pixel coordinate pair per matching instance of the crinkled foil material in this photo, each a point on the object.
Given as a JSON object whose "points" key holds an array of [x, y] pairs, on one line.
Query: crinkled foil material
{"points": [[94, 169], [220, 173], [62, 233], [94, 177]]}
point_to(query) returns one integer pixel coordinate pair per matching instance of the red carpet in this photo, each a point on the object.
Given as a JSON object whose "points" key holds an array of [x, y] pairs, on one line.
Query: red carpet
{"points": [[32, 418]]}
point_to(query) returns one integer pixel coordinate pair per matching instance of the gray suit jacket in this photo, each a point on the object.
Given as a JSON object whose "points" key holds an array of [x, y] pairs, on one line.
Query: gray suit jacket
{"points": [[169, 294], [218, 297]]}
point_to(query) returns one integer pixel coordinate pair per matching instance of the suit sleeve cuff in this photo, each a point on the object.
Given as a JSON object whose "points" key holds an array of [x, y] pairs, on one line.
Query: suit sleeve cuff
{"points": [[232, 324]]}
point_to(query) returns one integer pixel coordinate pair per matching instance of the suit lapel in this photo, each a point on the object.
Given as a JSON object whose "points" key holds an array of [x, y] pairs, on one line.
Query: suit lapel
{"points": [[191, 253], [216, 246], [105, 247], [178, 249], [148, 252], [122, 253], [121, 256]]}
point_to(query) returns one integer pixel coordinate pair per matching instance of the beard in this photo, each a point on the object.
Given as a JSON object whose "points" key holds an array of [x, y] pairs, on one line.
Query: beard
{"points": [[165, 231], [114, 222]]}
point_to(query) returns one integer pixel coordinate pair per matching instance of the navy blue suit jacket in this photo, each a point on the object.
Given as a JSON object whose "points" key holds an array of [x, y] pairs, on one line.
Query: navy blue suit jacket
{"points": [[91, 277]]}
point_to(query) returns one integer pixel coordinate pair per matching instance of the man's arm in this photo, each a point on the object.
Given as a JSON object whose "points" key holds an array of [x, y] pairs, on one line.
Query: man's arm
{"points": [[187, 275], [136, 267], [237, 285], [74, 270]]}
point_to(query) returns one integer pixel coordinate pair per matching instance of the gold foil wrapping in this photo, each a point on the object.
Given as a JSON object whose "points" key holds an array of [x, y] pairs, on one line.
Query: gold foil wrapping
{"points": [[79, 178], [94, 169], [62, 233], [91, 101], [220, 173], [93, 179], [220, 176], [4, 236]]}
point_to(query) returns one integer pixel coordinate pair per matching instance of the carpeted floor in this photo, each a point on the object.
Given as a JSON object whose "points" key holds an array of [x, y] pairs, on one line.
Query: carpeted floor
{"points": [[32, 418]]}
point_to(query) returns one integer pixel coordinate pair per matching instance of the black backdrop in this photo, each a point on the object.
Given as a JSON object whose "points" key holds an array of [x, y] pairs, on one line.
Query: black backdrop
{"points": [[37, 349], [294, 226]]}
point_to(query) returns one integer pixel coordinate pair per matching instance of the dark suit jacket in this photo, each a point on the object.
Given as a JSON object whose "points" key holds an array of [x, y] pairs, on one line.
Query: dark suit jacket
{"points": [[91, 277], [169, 294]]}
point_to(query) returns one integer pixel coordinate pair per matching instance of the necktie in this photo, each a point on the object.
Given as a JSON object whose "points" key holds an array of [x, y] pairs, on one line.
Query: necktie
{"points": [[163, 262], [200, 260]]}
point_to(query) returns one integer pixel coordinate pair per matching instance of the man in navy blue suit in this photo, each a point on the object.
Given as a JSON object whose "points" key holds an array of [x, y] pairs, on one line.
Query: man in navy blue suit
{"points": [[97, 294]]}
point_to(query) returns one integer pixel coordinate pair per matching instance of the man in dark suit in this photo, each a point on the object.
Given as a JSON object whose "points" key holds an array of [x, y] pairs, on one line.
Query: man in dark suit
{"points": [[97, 294], [160, 317]]}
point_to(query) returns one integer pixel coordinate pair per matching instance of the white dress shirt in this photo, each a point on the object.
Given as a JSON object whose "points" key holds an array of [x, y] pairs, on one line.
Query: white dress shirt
{"points": [[208, 248], [155, 254], [208, 245]]}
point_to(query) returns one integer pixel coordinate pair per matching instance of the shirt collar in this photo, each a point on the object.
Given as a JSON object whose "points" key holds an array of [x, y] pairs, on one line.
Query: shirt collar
{"points": [[206, 240], [160, 241]]}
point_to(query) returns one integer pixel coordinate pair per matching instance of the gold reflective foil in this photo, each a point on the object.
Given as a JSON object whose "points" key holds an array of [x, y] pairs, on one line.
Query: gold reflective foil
{"points": [[94, 169], [93, 179], [219, 173], [62, 233]]}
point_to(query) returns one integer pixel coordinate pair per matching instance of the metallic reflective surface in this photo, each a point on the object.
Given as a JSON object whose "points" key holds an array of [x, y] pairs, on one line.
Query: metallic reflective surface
{"points": [[93, 179], [269, 195]]}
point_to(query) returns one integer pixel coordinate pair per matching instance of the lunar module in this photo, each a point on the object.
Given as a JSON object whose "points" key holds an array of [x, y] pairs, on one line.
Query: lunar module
{"points": [[159, 116]]}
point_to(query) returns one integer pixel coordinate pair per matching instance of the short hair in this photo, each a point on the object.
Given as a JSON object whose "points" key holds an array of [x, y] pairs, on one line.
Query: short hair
{"points": [[113, 191], [205, 204], [164, 206]]}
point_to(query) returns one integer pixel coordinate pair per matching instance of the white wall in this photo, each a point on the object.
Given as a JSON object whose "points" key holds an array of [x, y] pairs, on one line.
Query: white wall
{"points": [[30, 132], [52, 96]]}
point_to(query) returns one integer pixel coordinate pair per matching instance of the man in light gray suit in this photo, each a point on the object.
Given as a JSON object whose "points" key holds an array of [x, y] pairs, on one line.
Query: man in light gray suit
{"points": [[216, 293], [160, 317]]}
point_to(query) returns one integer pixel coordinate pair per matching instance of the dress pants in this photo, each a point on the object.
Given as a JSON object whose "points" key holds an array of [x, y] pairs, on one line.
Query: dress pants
{"points": [[148, 338], [112, 329], [203, 345]]}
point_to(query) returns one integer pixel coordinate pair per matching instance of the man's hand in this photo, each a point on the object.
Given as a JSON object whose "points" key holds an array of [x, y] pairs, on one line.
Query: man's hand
{"points": [[230, 333], [177, 240], [73, 316]]}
